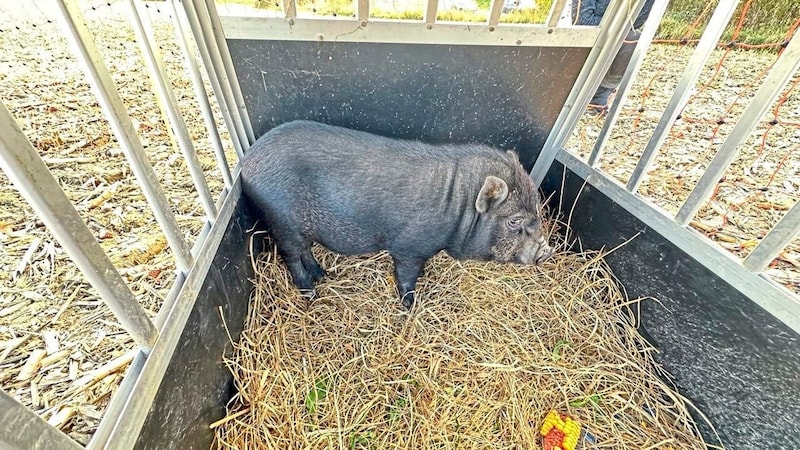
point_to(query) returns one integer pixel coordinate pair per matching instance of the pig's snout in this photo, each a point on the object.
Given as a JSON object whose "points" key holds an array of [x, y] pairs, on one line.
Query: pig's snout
{"points": [[537, 253], [543, 253]]}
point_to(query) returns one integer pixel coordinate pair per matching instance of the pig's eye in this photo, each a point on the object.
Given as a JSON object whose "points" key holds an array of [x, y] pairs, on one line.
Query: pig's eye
{"points": [[514, 223]]}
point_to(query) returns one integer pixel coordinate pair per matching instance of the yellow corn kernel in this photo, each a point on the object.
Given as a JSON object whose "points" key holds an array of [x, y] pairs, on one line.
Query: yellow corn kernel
{"points": [[573, 432], [552, 420]]}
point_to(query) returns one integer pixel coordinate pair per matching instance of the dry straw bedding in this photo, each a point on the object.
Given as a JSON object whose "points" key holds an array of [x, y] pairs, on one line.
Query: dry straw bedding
{"points": [[486, 352]]}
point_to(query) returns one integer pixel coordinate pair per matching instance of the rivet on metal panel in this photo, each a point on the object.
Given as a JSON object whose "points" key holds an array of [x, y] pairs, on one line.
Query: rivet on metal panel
{"points": [[320, 37], [519, 42]]}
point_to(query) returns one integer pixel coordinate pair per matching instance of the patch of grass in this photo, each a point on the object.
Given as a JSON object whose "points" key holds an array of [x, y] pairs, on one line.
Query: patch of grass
{"points": [[316, 394], [346, 8], [766, 21], [397, 409], [593, 399]]}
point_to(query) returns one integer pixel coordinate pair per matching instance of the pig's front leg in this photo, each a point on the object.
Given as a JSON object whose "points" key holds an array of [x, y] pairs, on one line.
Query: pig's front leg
{"points": [[293, 249], [406, 272]]}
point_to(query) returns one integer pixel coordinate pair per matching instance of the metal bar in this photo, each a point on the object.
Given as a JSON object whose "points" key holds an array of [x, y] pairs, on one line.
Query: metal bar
{"points": [[128, 424], [555, 13], [494, 14], [780, 74], [431, 9], [694, 67], [207, 34], [197, 31], [124, 131], [117, 403], [227, 64], [613, 28], [637, 58], [290, 9], [202, 97], [362, 11], [34, 181], [159, 76], [775, 241], [22, 429], [766, 293], [407, 32]]}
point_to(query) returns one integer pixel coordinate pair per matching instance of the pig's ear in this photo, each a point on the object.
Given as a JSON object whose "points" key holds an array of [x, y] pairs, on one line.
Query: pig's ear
{"points": [[513, 155], [493, 192]]}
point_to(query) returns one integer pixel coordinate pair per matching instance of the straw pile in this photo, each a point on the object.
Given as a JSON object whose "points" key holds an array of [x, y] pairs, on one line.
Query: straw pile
{"points": [[486, 353]]}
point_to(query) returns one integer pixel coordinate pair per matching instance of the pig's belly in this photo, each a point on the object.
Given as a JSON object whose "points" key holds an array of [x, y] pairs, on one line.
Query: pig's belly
{"points": [[349, 240]]}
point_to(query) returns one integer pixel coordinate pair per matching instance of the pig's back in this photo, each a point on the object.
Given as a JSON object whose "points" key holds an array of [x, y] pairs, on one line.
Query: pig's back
{"points": [[316, 144]]}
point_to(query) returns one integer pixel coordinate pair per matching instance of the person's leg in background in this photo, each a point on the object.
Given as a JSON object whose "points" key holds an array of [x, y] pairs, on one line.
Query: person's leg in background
{"points": [[590, 12], [601, 100]]}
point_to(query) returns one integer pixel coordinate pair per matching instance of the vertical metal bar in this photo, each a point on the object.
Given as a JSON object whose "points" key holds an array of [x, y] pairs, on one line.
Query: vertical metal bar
{"points": [[207, 34], [555, 13], [216, 83], [202, 97], [160, 80], [34, 181], [431, 8], [121, 123], [495, 12], [117, 403], [773, 85], [290, 8], [637, 58], [694, 67], [362, 10], [613, 28], [230, 72], [779, 237]]}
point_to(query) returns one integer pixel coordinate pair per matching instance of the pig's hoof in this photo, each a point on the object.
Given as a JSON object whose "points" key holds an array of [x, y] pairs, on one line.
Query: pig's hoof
{"points": [[317, 273], [309, 294], [408, 300]]}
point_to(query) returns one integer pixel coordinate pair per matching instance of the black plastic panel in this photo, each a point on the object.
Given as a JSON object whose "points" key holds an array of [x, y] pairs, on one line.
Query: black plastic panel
{"points": [[508, 97], [197, 384], [735, 361]]}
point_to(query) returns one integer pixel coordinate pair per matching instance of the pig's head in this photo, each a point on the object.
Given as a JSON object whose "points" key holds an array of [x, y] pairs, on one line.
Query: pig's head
{"points": [[511, 216]]}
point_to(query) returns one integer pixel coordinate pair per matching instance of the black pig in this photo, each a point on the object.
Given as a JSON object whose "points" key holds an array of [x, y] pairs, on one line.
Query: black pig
{"points": [[356, 193]]}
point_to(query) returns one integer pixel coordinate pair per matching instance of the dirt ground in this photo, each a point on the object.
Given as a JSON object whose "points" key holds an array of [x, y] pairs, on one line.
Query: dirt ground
{"points": [[762, 183], [75, 350]]}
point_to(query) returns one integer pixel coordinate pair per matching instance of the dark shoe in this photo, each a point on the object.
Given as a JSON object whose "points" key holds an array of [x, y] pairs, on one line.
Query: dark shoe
{"points": [[599, 103]]}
